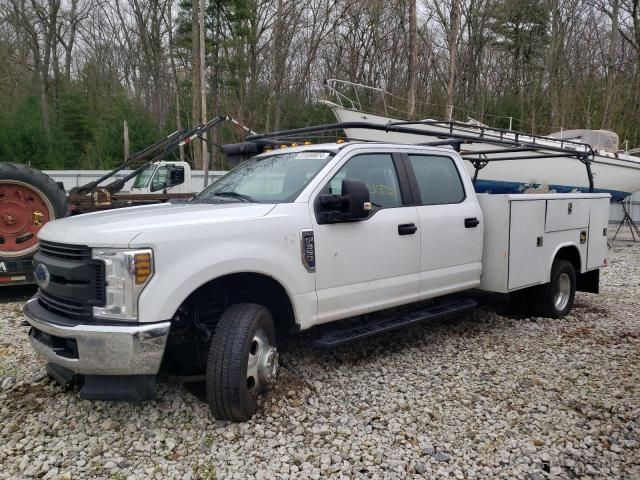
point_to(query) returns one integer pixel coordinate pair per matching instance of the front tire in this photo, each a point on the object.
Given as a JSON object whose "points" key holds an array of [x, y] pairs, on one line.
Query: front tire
{"points": [[555, 299], [242, 362]]}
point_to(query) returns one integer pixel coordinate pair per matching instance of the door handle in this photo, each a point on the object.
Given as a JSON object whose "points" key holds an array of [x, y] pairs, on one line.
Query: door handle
{"points": [[471, 222], [407, 229]]}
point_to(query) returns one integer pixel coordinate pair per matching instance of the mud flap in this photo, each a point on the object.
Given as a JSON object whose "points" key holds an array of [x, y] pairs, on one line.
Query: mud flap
{"points": [[128, 388]]}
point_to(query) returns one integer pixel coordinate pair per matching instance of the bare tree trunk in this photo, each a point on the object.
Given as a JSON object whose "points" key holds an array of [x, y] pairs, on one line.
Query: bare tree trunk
{"points": [[56, 72], [215, 103], [174, 72], [70, 42], [413, 58], [46, 126], [125, 134], [278, 59], [454, 31], [635, 14], [611, 67], [203, 90], [555, 47], [42, 56], [51, 28], [196, 100]]}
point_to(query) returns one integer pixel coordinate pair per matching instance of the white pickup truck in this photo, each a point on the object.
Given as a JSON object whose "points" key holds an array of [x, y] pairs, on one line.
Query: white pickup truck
{"points": [[289, 240]]}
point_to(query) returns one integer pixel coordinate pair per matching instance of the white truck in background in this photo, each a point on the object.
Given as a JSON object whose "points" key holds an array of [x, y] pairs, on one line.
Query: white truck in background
{"points": [[292, 239], [163, 177]]}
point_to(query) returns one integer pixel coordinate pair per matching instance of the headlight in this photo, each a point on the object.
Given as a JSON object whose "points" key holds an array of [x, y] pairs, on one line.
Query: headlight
{"points": [[127, 273]]}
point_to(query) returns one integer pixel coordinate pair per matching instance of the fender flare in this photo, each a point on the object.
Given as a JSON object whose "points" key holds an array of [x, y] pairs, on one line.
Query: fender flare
{"points": [[555, 255]]}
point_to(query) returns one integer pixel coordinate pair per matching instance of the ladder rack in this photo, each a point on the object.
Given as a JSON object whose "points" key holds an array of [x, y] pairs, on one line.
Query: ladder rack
{"points": [[502, 134], [511, 142]]}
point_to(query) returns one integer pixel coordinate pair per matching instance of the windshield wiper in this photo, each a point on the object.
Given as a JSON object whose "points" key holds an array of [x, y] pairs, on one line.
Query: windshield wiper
{"points": [[241, 196]]}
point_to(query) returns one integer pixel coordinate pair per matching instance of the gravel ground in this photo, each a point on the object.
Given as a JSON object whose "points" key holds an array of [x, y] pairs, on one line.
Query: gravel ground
{"points": [[482, 395]]}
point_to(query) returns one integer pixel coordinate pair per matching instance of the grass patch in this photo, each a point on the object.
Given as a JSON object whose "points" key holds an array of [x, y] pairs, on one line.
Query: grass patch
{"points": [[205, 472]]}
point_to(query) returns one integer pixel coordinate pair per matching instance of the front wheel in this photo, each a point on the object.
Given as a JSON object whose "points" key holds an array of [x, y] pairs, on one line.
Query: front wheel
{"points": [[242, 362], [555, 299]]}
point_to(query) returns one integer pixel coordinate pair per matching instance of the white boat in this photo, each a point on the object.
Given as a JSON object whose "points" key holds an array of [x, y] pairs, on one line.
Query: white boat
{"points": [[612, 172]]}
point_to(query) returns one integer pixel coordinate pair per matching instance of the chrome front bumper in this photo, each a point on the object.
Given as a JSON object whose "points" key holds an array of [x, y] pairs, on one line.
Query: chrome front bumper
{"points": [[96, 349]]}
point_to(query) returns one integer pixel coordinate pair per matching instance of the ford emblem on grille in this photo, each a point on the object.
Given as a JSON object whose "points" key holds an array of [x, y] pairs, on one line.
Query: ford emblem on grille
{"points": [[42, 276]]}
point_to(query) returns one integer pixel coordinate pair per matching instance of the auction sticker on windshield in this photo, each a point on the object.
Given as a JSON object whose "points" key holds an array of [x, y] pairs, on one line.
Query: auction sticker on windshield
{"points": [[312, 155]]}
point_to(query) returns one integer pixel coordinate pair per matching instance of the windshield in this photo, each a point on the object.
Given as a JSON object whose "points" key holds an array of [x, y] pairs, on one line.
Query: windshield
{"points": [[142, 180], [274, 179]]}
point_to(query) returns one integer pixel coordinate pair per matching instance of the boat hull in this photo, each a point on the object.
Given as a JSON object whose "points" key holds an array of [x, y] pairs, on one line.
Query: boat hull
{"points": [[618, 175]]}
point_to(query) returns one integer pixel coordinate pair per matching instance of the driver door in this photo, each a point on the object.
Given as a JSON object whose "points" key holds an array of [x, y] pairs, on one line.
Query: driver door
{"points": [[371, 264]]}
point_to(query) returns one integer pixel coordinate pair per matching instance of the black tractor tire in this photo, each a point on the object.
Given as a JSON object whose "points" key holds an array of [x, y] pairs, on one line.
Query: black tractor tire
{"points": [[232, 391], [555, 299], [44, 186]]}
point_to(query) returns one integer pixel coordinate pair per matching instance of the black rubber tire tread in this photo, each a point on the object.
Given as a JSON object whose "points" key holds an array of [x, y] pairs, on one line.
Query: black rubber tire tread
{"points": [[32, 176], [227, 360], [541, 299], [43, 182]]}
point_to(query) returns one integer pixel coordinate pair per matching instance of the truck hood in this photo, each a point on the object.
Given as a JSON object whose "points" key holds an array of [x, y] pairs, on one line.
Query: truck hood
{"points": [[119, 227]]}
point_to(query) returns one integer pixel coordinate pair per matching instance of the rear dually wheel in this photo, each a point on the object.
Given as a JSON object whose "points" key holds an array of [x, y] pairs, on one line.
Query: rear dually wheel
{"points": [[555, 299]]}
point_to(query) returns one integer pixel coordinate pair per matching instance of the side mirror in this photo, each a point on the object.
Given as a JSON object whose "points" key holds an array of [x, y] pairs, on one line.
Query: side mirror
{"points": [[155, 186], [351, 206], [359, 200], [176, 175]]}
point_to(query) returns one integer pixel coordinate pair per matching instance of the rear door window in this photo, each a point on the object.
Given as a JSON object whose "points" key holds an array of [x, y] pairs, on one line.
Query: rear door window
{"points": [[438, 179]]}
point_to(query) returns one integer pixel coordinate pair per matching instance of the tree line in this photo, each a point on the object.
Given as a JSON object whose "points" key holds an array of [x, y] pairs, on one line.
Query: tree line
{"points": [[72, 71]]}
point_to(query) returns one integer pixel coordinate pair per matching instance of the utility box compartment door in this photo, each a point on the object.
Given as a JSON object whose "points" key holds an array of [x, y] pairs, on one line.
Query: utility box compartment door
{"points": [[569, 214], [527, 261], [597, 243]]}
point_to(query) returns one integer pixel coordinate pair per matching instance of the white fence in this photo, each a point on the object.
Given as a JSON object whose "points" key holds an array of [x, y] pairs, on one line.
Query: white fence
{"points": [[75, 178]]}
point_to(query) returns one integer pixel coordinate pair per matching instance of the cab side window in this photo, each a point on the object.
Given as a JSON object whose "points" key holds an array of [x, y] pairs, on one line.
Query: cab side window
{"points": [[438, 179], [160, 179], [167, 177], [377, 172]]}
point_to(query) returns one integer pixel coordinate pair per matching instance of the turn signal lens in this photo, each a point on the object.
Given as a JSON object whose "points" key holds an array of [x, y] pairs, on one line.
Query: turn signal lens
{"points": [[142, 267]]}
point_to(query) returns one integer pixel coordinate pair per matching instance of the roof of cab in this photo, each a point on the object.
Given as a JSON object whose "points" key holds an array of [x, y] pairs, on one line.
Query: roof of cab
{"points": [[336, 147]]}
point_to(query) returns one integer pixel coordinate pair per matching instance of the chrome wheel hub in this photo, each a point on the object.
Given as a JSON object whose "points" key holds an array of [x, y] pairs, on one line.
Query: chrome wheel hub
{"points": [[563, 292], [262, 364]]}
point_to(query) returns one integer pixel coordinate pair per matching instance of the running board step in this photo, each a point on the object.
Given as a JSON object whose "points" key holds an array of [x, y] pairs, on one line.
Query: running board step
{"points": [[332, 337]]}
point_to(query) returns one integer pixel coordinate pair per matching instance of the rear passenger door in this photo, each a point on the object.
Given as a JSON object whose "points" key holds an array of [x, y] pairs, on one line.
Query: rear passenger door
{"points": [[450, 224]]}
